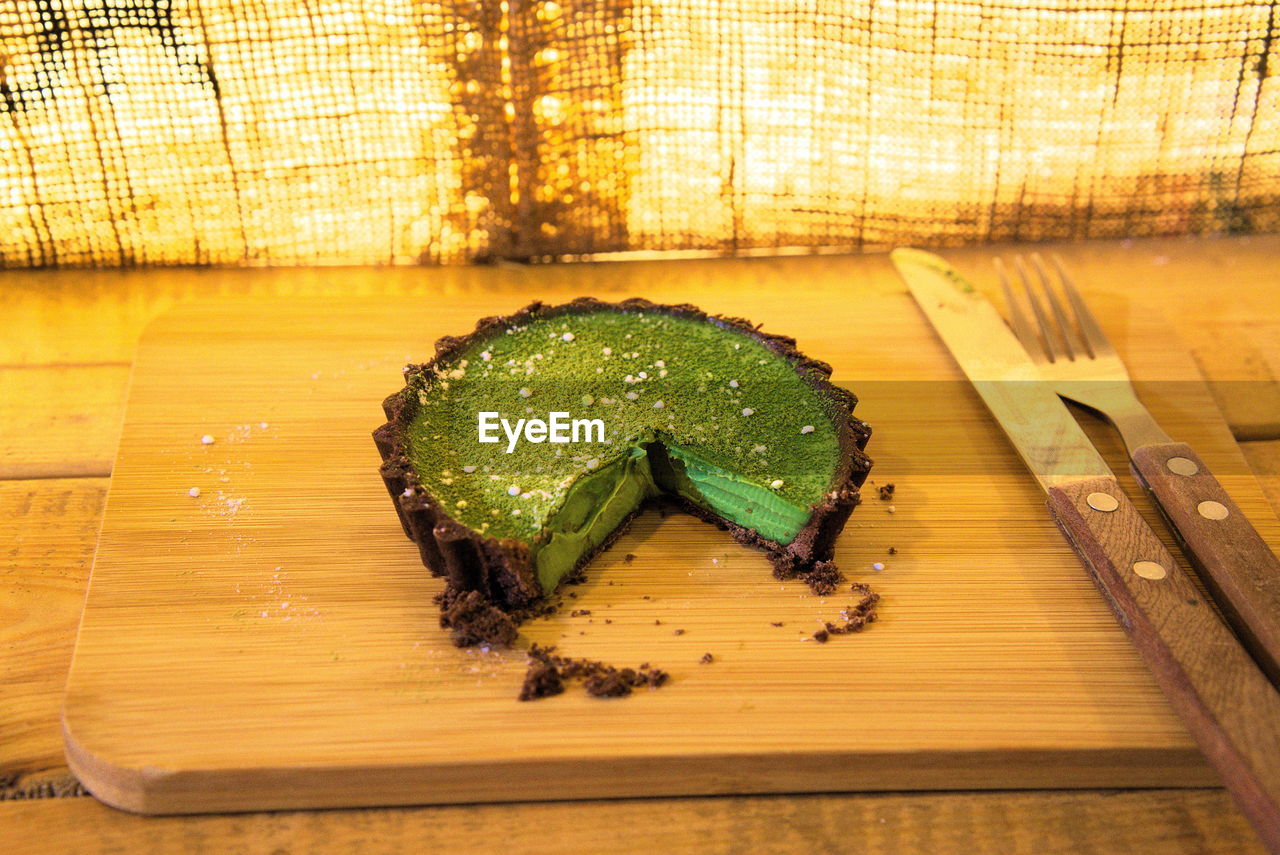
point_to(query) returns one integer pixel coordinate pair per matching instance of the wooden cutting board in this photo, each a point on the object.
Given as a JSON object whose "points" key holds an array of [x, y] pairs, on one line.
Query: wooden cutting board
{"points": [[272, 642]]}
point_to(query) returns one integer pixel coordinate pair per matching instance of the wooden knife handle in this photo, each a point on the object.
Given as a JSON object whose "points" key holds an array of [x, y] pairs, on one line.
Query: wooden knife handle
{"points": [[1229, 706], [1233, 560]]}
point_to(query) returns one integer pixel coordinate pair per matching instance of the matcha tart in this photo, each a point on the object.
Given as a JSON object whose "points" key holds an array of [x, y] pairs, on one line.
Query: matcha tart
{"points": [[524, 448]]}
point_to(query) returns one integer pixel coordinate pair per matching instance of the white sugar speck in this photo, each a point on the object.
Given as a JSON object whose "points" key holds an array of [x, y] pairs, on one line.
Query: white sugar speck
{"points": [[593, 463], [408, 491], [877, 566], [207, 439], [631, 396], [461, 503], [660, 364], [513, 490], [892, 509], [776, 483], [807, 429], [194, 492], [733, 384], [524, 393], [567, 337], [486, 355], [607, 351], [468, 469], [658, 405], [747, 411]]}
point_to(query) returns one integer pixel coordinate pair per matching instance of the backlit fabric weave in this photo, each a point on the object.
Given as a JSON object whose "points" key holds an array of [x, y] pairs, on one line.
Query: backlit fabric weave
{"points": [[406, 131]]}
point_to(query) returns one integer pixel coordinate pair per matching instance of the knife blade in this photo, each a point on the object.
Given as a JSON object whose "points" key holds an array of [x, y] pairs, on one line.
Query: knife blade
{"points": [[1227, 703]]}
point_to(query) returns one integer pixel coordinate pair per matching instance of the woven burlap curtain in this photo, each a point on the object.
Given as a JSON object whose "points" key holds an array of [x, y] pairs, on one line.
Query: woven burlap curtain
{"points": [[401, 131]]}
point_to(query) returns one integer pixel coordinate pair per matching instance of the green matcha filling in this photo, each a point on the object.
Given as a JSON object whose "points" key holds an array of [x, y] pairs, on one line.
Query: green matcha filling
{"points": [[689, 408]]}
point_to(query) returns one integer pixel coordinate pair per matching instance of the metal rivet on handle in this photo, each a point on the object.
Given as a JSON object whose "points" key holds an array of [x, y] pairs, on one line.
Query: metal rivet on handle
{"points": [[1150, 570], [1104, 502], [1212, 510], [1182, 466]]}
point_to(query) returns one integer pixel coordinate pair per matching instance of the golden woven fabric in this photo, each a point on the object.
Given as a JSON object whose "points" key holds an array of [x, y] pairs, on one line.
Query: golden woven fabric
{"points": [[387, 131]]}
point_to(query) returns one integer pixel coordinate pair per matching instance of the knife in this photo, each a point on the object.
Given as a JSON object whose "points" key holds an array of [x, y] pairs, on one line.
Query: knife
{"points": [[1227, 703]]}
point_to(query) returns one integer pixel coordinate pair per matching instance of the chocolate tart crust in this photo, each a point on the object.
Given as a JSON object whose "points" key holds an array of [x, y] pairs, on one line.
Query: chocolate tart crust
{"points": [[501, 569]]}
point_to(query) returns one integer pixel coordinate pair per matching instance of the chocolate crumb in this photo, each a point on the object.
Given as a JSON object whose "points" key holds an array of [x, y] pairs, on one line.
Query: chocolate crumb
{"points": [[893, 550], [886, 492], [646, 597], [678, 632], [824, 578], [579, 612], [573, 595], [475, 620], [542, 680], [657, 622], [629, 557], [706, 659], [821, 636], [776, 623], [547, 673], [610, 684], [607, 620]]}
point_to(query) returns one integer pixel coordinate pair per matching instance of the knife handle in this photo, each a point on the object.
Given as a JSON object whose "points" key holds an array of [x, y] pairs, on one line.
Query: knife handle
{"points": [[1227, 703], [1241, 573]]}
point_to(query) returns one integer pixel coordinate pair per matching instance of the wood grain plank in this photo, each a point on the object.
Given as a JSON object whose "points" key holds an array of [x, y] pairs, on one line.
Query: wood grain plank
{"points": [[1242, 362], [48, 529], [1171, 822], [982, 579], [1264, 459], [60, 421]]}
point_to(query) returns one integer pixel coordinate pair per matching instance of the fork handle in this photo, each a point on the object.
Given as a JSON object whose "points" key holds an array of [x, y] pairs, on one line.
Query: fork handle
{"points": [[1237, 567], [1228, 705]]}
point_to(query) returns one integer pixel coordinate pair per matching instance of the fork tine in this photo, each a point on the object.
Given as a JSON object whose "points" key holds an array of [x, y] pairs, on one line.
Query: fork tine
{"points": [[1049, 334], [1094, 337], [1069, 336], [1027, 333]]}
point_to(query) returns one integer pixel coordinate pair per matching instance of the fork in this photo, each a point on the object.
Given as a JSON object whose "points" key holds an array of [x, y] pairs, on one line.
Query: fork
{"points": [[1073, 354]]}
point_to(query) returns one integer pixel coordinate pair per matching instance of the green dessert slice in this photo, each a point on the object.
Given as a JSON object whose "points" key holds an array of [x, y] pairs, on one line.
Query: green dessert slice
{"points": [[523, 448]]}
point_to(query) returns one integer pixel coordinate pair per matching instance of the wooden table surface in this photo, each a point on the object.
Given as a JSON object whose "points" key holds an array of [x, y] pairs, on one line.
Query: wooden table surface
{"points": [[67, 342]]}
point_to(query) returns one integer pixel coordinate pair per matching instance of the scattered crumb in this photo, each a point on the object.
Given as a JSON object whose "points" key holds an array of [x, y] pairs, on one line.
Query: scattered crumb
{"points": [[706, 659], [824, 578], [579, 612], [776, 623], [678, 632], [542, 680], [855, 617], [891, 509], [886, 492], [657, 622], [629, 557], [893, 550], [474, 620], [548, 672], [879, 565], [207, 439], [194, 492]]}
